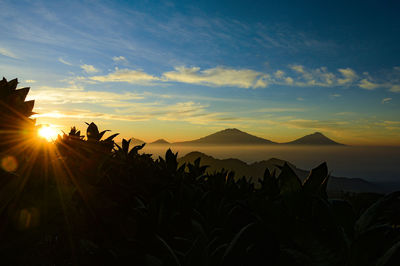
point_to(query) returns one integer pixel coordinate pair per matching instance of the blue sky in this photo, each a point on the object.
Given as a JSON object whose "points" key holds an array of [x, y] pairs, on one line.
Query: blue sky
{"points": [[180, 69]]}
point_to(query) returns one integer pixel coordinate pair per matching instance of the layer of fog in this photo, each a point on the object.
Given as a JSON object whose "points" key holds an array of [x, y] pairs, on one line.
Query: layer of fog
{"points": [[370, 163]]}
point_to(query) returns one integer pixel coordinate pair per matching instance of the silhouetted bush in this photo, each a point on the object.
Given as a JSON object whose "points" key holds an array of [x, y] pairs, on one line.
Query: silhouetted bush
{"points": [[88, 201]]}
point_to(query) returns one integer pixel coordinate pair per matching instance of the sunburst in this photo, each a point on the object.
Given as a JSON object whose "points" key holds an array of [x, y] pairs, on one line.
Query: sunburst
{"points": [[48, 132]]}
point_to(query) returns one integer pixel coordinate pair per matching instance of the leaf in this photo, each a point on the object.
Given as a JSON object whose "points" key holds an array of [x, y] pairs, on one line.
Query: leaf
{"points": [[170, 160], [110, 138], [391, 257], [169, 249], [312, 184], [237, 243], [136, 149], [288, 181], [101, 134], [371, 215], [92, 131], [12, 85], [125, 145], [270, 184]]}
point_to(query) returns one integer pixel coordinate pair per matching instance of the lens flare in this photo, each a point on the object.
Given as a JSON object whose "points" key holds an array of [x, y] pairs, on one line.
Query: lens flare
{"points": [[48, 132], [9, 163]]}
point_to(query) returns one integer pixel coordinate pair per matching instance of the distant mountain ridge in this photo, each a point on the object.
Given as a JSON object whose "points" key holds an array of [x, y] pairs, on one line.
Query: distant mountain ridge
{"points": [[234, 136], [256, 170]]}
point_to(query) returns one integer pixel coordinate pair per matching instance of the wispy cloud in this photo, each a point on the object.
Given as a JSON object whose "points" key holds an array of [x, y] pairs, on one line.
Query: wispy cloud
{"points": [[125, 75], [119, 59], [64, 62], [7, 53], [349, 76], [368, 85], [279, 110], [90, 69], [218, 76], [52, 95], [386, 100]]}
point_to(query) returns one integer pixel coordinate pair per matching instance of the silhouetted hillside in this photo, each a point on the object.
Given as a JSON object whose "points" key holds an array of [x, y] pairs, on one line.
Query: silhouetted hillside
{"points": [[316, 138], [256, 171], [230, 136]]}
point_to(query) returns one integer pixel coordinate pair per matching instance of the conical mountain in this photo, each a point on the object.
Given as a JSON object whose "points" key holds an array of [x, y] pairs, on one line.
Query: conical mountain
{"points": [[230, 136], [160, 141], [316, 138]]}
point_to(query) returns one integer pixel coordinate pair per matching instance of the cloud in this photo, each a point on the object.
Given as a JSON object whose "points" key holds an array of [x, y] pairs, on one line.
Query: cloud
{"points": [[89, 69], [119, 59], [7, 53], [218, 76], [280, 110], [349, 76], [279, 74], [321, 77], [368, 85], [64, 62], [125, 75], [30, 81], [335, 95], [51, 95], [79, 114], [323, 125], [394, 88], [386, 100]]}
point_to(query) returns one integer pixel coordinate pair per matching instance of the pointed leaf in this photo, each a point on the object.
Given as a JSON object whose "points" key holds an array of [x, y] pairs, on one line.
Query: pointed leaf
{"points": [[313, 182], [110, 138], [101, 134], [92, 132], [288, 180]]}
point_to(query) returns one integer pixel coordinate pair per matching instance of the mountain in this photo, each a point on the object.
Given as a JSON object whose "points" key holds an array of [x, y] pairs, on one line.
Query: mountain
{"points": [[256, 170], [160, 141], [230, 136], [136, 141], [316, 138]]}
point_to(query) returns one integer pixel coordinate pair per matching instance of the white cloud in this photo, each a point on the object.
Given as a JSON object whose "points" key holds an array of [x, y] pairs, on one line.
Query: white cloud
{"points": [[386, 100], [7, 53], [125, 75], [64, 62], [368, 85], [279, 74], [349, 76], [120, 58], [335, 95], [30, 81], [89, 69], [218, 76], [51, 95], [394, 88], [318, 77]]}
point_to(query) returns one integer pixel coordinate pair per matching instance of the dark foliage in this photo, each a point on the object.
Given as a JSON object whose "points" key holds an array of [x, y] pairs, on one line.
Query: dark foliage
{"points": [[88, 201]]}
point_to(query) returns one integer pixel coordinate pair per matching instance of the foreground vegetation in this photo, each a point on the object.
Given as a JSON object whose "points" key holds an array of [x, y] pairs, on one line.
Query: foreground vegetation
{"points": [[85, 200]]}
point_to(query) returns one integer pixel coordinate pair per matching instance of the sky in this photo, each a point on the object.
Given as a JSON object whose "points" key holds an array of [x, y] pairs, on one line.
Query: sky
{"points": [[180, 70]]}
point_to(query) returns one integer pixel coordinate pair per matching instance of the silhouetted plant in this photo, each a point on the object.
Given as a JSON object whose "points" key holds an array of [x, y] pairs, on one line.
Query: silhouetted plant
{"points": [[96, 202]]}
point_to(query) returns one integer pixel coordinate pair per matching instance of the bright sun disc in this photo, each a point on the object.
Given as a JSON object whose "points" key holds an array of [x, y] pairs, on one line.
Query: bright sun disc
{"points": [[47, 132]]}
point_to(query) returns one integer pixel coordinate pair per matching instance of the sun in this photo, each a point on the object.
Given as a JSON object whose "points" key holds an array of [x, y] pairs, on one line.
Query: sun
{"points": [[47, 132]]}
